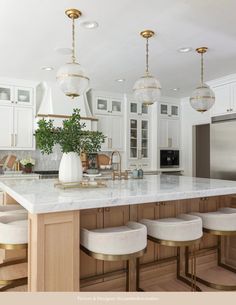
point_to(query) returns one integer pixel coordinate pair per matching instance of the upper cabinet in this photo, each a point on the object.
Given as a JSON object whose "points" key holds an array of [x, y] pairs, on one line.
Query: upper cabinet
{"points": [[169, 110], [17, 111], [16, 95], [138, 109], [105, 105], [225, 95], [109, 110], [225, 99]]}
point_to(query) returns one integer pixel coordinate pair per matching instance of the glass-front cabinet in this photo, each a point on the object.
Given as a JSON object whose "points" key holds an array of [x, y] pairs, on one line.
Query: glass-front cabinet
{"points": [[138, 135], [15, 95], [169, 110], [6, 94], [105, 105]]}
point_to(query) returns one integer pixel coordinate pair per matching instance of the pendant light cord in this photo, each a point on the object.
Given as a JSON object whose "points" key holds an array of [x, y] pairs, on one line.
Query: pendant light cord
{"points": [[147, 57], [202, 68], [73, 40]]}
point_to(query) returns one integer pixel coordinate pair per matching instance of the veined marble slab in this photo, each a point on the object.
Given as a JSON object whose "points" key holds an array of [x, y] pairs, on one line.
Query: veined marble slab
{"points": [[40, 196]]}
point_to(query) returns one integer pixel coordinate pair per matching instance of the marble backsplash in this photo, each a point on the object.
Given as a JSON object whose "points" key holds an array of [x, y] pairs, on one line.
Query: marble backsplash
{"points": [[43, 162]]}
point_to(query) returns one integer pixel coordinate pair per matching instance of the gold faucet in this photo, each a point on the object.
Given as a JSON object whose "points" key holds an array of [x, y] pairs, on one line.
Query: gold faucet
{"points": [[118, 173], [119, 156]]}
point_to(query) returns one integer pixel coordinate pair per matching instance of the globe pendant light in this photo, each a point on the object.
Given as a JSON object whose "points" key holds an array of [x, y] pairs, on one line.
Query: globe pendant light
{"points": [[203, 97], [71, 77], [147, 88]]}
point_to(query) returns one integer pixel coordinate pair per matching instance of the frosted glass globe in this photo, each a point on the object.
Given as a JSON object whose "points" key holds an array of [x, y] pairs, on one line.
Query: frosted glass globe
{"points": [[147, 90], [72, 79], [203, 98]]}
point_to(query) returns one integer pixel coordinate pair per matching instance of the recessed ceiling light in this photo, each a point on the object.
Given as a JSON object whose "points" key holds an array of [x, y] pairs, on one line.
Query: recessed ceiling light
{"points": [[47, 68], [185, 49], [89, 25], [120, 80], [175, 89], [64, 51]]}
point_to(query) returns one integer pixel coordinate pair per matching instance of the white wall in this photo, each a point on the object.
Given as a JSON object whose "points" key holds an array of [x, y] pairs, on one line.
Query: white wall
{"points": [[189, 118]]}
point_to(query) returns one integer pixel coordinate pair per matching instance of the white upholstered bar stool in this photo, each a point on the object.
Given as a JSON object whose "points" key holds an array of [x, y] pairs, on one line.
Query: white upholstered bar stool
{"points": [[219, 223], [13, 236], [124, 243], [183, 231]]}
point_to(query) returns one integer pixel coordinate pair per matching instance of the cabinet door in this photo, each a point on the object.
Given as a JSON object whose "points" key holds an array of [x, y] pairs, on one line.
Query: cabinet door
{"points": [[6, 127], [133, 138], [233, 97], [6, 94], [23, 127], [174, 111], [144, 139], [23, 96], [222, 100], [163, 134], [173, 133], [102, 105], [116, 127], [164, 110], [116, 106], [103, 126]]}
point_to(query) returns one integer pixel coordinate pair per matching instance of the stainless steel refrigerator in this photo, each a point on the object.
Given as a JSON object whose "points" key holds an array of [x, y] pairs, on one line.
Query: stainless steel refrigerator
{"points": [[223, 147]]}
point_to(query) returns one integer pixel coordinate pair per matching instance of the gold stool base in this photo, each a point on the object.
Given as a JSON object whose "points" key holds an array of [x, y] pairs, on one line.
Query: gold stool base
{"points": [[132, 271], [7, 284], [220, 264], [180, 244]]}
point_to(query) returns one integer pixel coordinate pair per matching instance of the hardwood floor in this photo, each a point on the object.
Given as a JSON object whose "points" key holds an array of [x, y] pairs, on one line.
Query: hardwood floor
{"points": [[168, 283]]}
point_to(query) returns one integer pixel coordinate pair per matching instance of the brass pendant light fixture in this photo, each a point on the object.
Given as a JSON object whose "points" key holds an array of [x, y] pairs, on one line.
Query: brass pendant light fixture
{"points": [[147, 88], [71, 77], [203, 98]]}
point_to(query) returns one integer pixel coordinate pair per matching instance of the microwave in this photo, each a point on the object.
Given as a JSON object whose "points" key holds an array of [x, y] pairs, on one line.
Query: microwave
{"points": [[169, 158]]}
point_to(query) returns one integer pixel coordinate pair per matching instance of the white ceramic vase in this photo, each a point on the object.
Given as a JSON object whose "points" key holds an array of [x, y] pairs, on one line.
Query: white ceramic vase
{"points": [[70, 169]]}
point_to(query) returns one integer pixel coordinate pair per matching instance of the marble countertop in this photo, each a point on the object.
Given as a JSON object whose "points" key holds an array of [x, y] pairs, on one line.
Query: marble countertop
{"points": [[40, 196]]}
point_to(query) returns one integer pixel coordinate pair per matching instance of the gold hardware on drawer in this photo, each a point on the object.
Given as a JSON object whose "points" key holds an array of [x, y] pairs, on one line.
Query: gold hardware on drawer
{"points": [[204, 199], [107, 209], [100, 210]]}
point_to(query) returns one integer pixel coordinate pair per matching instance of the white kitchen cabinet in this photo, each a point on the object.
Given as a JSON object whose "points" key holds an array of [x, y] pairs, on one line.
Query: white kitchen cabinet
{"points": [[16, 125], [107, 105], [113, 128], [16, 95], [169, 135], [138, 135], [6, 127], [223, 100], [169, 110], [23, 127]]}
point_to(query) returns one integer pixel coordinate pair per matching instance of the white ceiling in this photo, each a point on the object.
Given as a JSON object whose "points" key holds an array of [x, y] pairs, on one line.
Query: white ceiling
{"points": [[32, 29]]}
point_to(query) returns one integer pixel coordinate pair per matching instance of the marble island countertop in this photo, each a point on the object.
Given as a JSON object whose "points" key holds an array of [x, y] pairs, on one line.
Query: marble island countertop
{"points": [[40, 196]]}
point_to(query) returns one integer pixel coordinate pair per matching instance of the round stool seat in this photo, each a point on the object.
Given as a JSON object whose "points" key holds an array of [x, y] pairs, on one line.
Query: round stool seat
{"points": [[222, 220], [122, 240], [12, 209], [13, 229], [182, 228]]}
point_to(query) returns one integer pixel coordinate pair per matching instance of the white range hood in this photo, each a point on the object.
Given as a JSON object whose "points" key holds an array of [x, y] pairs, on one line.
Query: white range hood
{"points": [[51, 101]]}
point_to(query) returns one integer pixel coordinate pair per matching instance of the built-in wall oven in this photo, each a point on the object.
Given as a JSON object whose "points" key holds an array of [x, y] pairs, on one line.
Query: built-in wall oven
{"points": [[169, 158]]}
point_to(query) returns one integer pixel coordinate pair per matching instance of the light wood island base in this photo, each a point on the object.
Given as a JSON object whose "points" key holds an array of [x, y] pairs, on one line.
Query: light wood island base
{"points": [[57, 264], [54, 252]]}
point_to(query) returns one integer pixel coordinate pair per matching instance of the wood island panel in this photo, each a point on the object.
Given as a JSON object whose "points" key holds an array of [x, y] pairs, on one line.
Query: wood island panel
{"points": [[54, 245]]}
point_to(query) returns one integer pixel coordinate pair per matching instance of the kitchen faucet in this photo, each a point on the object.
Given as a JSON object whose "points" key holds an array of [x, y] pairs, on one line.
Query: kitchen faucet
{"points": [[118, 173]]}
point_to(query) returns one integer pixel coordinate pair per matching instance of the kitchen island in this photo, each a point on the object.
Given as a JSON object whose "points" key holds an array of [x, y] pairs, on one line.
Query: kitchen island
{"points": [[56, 215]]}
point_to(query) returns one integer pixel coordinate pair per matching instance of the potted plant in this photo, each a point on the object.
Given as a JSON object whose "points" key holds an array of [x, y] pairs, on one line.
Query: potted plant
{"points": [[27, 164], [73, 140]]}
